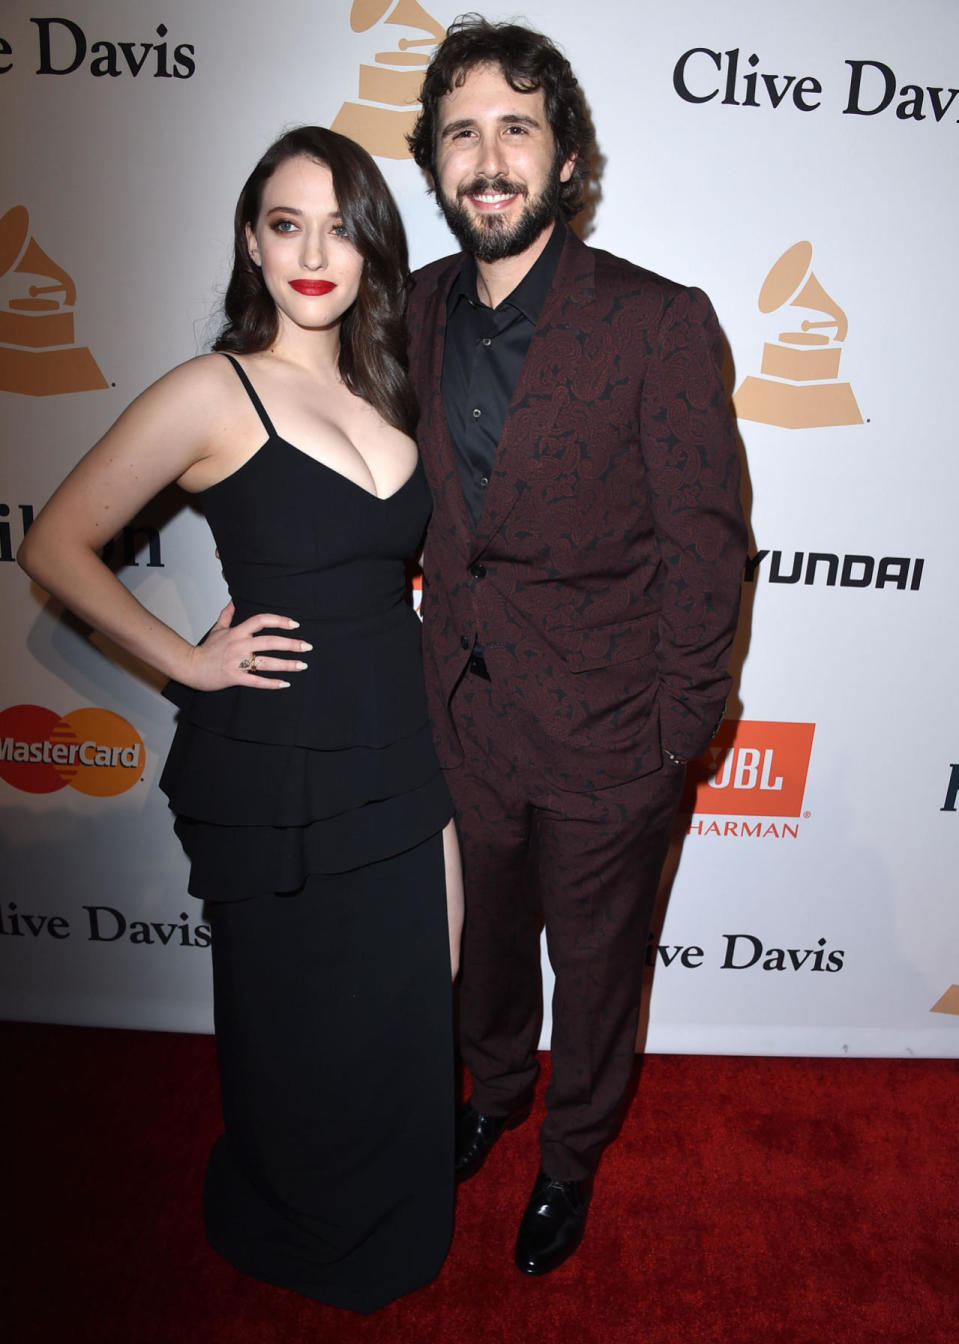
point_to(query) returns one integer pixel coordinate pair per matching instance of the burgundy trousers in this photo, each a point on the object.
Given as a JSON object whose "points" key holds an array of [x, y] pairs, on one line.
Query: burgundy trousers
{"points": [[587, 865]]}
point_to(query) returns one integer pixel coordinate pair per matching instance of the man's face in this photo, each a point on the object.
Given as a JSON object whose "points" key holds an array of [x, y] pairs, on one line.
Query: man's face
{"points": [[497, 177]]}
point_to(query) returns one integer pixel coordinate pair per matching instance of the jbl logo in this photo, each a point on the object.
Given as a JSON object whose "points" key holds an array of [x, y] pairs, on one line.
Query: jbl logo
{"points": [[747, 768], [752, 769]]}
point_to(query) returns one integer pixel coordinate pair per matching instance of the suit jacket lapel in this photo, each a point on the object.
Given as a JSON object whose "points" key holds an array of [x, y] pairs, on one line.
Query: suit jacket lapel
{"points": [[536, 402], [439, 457]]}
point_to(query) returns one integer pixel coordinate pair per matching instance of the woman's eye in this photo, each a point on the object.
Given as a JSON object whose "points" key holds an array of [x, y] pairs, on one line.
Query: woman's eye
{"points": [[283, 226], [341, 231]]}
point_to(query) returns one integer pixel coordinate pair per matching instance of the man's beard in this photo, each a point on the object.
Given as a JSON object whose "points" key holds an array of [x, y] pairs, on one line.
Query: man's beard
{"points": [[490, 237]]}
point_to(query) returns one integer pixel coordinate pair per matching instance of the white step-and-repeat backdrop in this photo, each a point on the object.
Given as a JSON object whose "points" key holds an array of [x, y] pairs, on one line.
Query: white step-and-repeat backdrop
{"points": [[799, 163]]}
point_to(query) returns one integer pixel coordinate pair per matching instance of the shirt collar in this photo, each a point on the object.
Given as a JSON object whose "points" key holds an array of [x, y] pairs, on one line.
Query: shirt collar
{"points": [[530, 294]]}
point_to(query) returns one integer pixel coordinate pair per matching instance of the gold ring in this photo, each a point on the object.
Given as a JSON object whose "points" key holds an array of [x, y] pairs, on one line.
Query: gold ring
{"points": [[249, 664]]}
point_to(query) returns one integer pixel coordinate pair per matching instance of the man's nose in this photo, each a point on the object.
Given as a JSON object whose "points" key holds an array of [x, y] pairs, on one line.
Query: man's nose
{"points": [[492, 157]]}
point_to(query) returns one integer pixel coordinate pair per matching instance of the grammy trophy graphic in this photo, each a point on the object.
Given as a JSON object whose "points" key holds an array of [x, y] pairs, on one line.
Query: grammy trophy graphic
{"points": [[949, 1003], [799, 386], [38, 354], [389, 91]]}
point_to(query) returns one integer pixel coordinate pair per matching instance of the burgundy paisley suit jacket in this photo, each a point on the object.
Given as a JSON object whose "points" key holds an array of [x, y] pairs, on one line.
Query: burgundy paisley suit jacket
{"points": [[603, 576]]}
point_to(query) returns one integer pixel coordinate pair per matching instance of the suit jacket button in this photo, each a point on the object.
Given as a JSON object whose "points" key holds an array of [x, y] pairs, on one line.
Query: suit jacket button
{"points": [[464, 641], [478, 571]]}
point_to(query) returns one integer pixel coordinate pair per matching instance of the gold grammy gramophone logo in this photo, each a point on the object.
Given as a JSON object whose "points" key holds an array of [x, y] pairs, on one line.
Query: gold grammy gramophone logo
{"points": [[799, 385], [38, 354], [949, 1003], [389, 91]]}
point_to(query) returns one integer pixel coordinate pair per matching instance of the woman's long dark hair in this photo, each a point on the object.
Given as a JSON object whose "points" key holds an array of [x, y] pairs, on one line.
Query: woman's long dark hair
{"points": [[372, 360]]}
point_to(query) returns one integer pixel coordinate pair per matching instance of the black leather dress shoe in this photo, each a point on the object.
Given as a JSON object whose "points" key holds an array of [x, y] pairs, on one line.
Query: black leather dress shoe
{"points": [[552, 1225], [475, 1136]]}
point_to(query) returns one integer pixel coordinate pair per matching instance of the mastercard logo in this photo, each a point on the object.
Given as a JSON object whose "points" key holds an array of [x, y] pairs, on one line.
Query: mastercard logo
{"points": [[93, 750]]}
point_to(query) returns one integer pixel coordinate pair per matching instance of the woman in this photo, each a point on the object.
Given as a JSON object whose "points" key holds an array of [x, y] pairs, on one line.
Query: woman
{"points": [[302, 774]]}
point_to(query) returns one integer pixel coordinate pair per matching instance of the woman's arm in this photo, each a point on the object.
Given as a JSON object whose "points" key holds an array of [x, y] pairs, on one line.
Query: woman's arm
{"points": [[184, 419]]}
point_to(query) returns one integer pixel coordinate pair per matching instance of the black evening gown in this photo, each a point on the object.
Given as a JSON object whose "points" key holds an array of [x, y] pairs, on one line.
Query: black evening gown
{"points": [[312, 820]]}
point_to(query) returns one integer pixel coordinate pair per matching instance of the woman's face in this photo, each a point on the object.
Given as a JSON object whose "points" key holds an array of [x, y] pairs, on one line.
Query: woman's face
{"points": [[310, 266]]}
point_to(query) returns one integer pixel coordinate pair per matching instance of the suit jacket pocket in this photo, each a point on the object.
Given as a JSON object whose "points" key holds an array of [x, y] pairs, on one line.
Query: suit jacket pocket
{"points": [[586, 649]]}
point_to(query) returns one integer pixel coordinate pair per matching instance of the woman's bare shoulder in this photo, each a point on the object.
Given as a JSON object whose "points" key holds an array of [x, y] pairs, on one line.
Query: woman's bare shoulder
{"points": [[193, 401], [204, 375]]}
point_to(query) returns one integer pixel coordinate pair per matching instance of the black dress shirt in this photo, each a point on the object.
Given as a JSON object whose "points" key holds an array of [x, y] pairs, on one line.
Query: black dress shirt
{"points": [[482, 361]]}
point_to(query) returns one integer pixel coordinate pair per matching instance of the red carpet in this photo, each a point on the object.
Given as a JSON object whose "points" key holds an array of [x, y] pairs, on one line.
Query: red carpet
{"points": [[747, 1200]]}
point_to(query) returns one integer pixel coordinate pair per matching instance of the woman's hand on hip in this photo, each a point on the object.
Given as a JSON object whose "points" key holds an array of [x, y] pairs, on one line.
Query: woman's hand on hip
{"points": [[235, 655]]}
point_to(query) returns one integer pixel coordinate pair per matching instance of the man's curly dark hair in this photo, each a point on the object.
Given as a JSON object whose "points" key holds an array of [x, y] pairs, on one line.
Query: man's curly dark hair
{"points": [[528, 61]]}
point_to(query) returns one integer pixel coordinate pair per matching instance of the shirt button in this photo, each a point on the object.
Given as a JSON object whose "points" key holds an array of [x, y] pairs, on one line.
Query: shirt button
{"points": [[478, 571], [484, 481], [476, 412], [487, 340], [464, 642]]}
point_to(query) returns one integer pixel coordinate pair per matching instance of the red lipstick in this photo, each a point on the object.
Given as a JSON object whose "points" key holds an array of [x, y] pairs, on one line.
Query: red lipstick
{"points": [[312, 287]]}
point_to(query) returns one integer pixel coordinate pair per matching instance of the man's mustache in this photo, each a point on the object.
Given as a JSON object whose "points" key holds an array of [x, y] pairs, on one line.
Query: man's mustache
{"points": [[502, 186]]}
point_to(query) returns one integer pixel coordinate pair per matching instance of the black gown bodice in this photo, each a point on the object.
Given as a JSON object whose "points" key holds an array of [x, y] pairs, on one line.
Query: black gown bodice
{"points": [[337, 770]]}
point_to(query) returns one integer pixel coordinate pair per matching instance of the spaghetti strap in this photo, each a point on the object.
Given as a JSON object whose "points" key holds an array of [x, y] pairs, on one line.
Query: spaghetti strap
{"points": [[257, 403]]}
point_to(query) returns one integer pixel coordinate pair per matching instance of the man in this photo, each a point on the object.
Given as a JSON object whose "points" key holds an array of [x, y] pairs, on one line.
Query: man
{"points": [[583, 568]]}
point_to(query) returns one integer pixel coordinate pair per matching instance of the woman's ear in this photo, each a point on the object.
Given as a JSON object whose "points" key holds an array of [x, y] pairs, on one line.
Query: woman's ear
{"points": [[252, 246]]}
